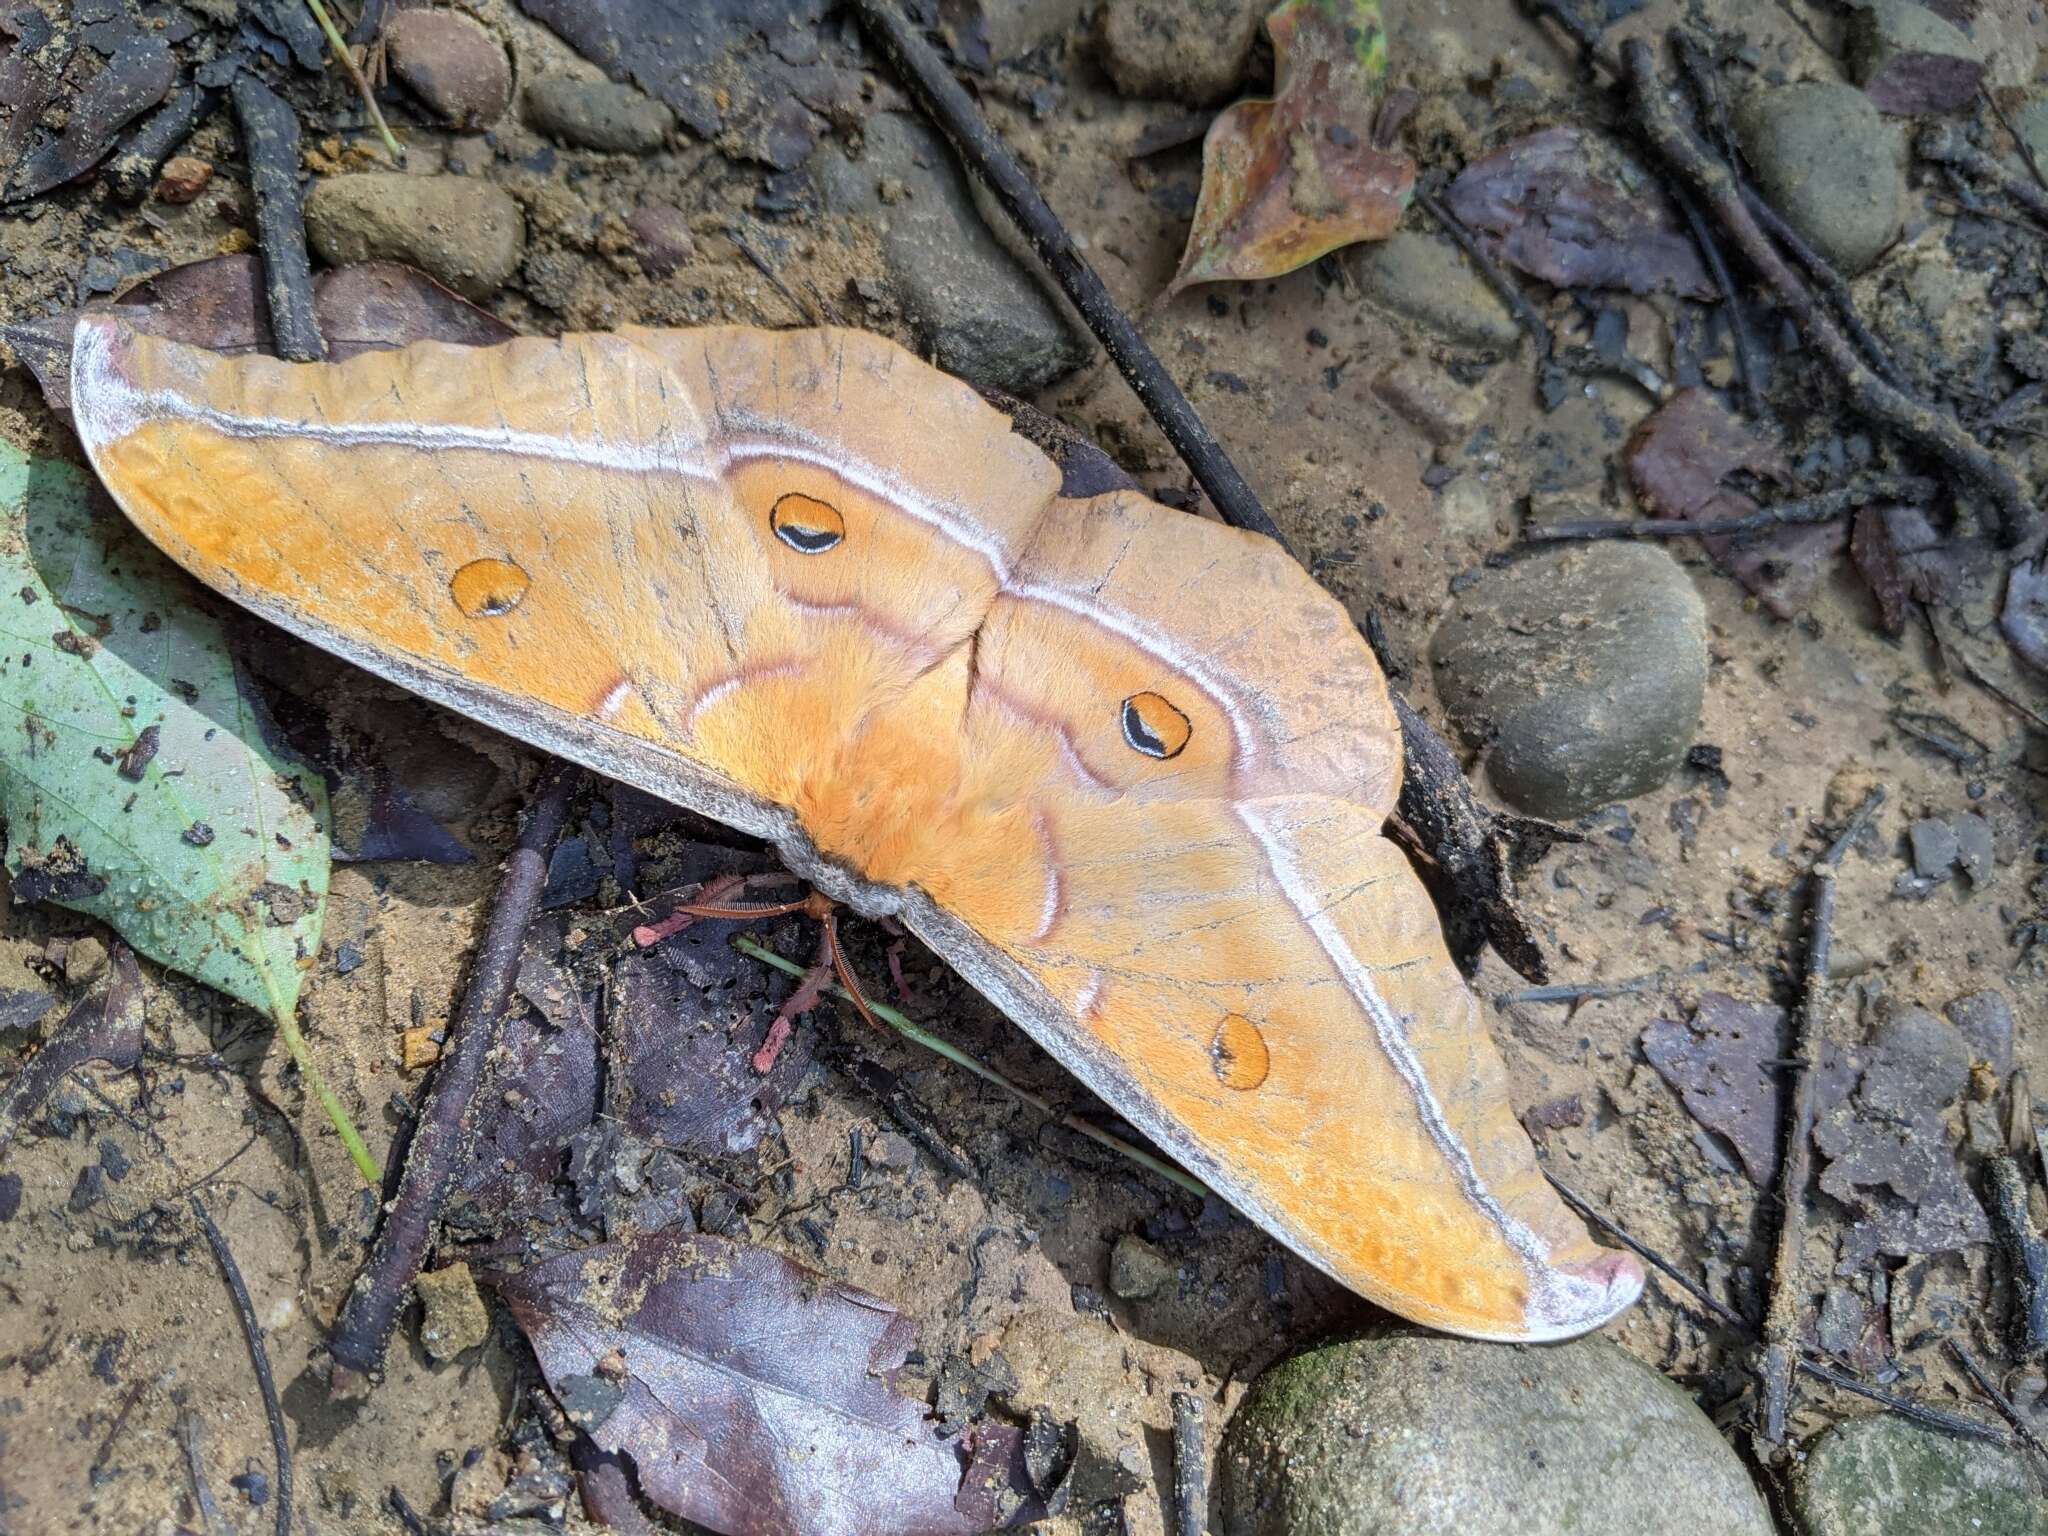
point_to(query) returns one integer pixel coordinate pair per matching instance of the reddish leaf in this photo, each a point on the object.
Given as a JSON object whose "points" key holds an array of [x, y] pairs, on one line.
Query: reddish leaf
{"points": [[1569, 207], [756, 1397], [106, 1025], [218, 304], [1288, 180], [1680, 461]]}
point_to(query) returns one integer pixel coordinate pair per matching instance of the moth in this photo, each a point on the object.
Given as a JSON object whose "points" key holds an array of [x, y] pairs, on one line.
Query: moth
{"points": [[1126, 770]]}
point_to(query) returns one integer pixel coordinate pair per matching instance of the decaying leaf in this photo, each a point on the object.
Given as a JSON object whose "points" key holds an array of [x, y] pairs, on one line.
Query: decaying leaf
{"points": [[218, 304], [105, 1025], [1287, 180], [1889, 1155], [137, 783], [123, 70], [684, 1024], [1727, 1064], [1571, 208], [755, 1396], [1681, 462]]}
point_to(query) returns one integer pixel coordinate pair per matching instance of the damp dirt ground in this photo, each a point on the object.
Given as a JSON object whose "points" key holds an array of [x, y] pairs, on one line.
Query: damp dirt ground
{"points": [[114, 1323]]}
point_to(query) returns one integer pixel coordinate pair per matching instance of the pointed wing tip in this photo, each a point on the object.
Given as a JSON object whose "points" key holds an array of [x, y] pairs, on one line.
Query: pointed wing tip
{"points": [[1577, 1298], [103, 394]]}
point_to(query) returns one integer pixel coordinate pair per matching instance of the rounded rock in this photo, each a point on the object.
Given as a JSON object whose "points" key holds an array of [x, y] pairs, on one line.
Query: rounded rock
{"points": [[662, 240], [1430, 281], [1581, 674], [452, 63], [1194, 51], [1407, 1434], [1831, 163], [1883, 1476], [597, 114], [467, 233]]}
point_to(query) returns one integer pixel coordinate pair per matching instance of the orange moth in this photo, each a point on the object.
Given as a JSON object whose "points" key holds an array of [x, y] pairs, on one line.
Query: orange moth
{"points": [[1124, 769]]}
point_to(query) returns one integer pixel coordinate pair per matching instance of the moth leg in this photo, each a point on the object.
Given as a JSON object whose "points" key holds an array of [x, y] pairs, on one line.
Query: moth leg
{"points": [[711, 902], [802, 998]]}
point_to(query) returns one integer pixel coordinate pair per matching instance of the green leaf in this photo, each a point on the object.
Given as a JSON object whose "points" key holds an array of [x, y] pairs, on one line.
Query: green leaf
{"points": [[134, 775]]}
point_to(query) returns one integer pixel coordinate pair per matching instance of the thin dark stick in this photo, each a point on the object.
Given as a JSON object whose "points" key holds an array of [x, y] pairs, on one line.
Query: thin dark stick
{"points": [[443, 1133], [1820, 1370], [1511, 294], [1749, 365], [252, 1335], [954, 111], [133, 170], [1675, 140], [270, 138], [1821, 507], [1933, 1418], [1795, 1169], [1719, 1309], [1833, 286], [1999, 1400], [1190, 1467], [1588, 991], [1944, 144]]}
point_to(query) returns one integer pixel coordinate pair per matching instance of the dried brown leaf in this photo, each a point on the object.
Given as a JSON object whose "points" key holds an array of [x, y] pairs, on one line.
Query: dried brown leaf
{"points": [[756, 1397], [1287, 180]]}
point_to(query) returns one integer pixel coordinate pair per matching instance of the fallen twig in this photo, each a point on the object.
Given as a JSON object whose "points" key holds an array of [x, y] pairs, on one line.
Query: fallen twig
{"points": [[1190, 1467], [443, 1132], [270, 138], [1795, 1169], [1822, 507], [1998, 1399], [252, 1335], [189, 1428], [1808, 1363], [954, 111], [1936, 431], [1497, 279], [1944, 144]]}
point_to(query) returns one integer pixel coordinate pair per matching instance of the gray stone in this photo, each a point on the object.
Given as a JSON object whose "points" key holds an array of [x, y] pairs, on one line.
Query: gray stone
{"points": [[1933, 842], [1406, 1434], [597, 114], [1884, 1476], [975, 308], [452, 63], [1831, 163], [1194, 51], [1581, 673], [466, 232], [1984, 1019], [1908, 60], [1427, 279], [1137, 1270], [1975, 847]]}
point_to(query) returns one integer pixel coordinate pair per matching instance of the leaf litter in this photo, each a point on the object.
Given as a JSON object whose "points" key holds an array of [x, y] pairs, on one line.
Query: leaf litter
{"points": [[680, 1351], [1569, 207], [1292, 178]]}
